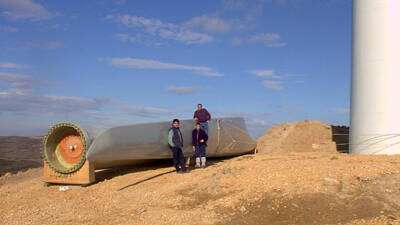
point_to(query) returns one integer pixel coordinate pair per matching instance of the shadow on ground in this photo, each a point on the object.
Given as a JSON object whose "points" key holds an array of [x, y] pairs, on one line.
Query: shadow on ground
{"points": [[108, 174]]}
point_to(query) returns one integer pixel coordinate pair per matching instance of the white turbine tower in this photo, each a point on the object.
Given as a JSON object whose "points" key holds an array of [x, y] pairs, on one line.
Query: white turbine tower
{"points": [[375, 97]]}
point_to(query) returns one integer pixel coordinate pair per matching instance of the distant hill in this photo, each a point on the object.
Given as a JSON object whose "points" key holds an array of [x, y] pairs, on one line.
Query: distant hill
{"points": [[19, 153]]}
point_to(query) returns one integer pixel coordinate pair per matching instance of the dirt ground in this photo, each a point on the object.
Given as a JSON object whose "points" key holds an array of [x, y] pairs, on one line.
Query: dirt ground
{"points": [[298, 188]]}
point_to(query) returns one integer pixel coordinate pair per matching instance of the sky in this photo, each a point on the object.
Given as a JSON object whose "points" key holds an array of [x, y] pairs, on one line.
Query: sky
{"points": [[108, 63]]}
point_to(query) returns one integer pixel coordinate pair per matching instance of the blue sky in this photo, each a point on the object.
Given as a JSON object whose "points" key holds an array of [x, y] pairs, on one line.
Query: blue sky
{"points": [[107, 63]]}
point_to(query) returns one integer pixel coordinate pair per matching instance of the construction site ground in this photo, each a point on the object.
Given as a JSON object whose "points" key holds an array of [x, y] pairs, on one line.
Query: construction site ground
{"points": [[298, 188]]}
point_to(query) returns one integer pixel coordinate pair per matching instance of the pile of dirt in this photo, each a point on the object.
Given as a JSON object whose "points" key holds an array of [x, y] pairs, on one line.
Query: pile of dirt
{"points": [[305, 136], [19, 153]]}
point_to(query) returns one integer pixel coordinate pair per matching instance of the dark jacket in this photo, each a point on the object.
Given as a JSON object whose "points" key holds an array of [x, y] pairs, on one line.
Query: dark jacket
{"points": [[197, 135], [175, 138], [202, 115]]}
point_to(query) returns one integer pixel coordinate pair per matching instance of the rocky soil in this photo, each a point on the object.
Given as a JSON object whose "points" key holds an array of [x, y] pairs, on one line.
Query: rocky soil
{"points": [[298, 188]]}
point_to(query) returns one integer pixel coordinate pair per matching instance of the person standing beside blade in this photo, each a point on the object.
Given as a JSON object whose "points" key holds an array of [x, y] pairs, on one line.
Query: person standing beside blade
{"points": [[202, 116], [199, 142], [175, 141]]}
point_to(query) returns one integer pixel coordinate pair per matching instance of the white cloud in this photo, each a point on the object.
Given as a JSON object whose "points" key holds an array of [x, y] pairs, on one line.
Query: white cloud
{"points": [[142, 111], [267, 39], [45, 45], [258, 122], [235, 4], [7, 29], [237, 41], [18, 83], [275, 81], [23, 10], [250, 7], [137, 38], [246, 12], [22, 105], [209, 24], [181, 90], [136, 63], [125, 37], [20, 98], [32, 103], [264, 73], [273, 85], [120, 2], [9, 65], [28, 103], [155, 27], [51, 45]]}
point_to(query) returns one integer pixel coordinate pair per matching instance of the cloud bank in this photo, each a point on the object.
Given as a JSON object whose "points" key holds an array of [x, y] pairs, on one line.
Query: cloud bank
{"points": [[164, 30], [149, 64], [181, 90], [267, 39], [23, 10]]}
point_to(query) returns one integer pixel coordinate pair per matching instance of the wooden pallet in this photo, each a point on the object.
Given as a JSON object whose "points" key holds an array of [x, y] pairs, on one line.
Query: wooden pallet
{"points": [[84, 176]]}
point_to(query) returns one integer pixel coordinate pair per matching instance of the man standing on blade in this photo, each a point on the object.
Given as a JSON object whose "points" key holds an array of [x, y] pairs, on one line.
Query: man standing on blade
{"points": [[202, 116], [199, 142], [175, 141]]}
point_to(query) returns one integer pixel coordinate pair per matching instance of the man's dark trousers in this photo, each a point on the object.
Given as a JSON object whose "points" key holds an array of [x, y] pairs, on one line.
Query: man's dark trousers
{"points": [[178, 158]]}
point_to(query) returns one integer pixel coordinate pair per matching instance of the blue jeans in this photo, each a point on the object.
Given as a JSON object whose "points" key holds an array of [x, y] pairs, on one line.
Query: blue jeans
{"points": [[204, 126], [178, 158], [200, 151]]}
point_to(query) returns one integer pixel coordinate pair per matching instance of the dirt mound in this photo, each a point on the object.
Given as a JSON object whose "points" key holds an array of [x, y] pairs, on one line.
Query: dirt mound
{"points": [[19, 153], [305, 136]]}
